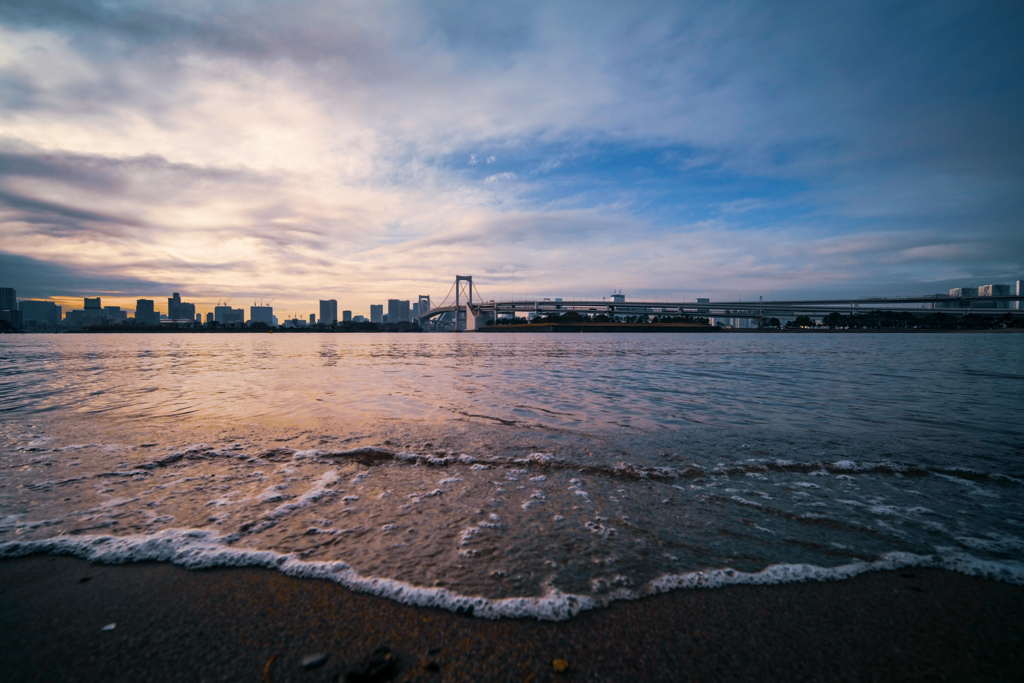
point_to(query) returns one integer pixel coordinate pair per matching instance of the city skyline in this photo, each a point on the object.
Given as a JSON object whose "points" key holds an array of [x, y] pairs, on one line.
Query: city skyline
{"points": [[149, 312], [295, 150]]}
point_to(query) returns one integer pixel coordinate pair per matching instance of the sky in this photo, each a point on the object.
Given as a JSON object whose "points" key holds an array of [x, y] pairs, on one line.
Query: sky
{"points": [[360, 151]]}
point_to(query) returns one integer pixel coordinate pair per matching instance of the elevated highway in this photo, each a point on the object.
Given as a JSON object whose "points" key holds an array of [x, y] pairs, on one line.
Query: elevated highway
{"points": [[466, 314]]}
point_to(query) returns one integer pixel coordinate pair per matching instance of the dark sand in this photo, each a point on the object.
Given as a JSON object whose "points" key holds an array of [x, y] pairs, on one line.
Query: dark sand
{"points": [[227, 624]]}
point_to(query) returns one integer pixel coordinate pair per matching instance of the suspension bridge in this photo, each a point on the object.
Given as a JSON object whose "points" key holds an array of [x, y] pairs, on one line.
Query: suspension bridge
{"points": [[467, 310]]}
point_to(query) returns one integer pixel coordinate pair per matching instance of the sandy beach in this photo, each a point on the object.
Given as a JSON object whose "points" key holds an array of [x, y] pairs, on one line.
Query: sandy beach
{"points": [[241, 624]]}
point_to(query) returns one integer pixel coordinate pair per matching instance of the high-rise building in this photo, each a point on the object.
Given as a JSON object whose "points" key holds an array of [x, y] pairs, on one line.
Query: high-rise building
{"points": [[9, 312], [262, 314], [993, 290], [209, 318], [416, 310], [346, 316], [8, 299], [398, 310], [174, 307], [312, 318], [328, 311], [113, 315], [145, 313], [179, 311], [90, 315], [376, 313], [963, 291], [1018, 287], [39, 314], [225, 315]]}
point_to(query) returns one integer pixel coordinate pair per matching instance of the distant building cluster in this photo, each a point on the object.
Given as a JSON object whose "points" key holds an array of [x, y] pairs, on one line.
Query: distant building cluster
{"points": [[955, 296], [46, 316]]}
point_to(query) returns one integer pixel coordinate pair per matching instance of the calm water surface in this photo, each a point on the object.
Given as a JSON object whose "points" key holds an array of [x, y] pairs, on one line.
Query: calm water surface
{"points": [[518, 474]]}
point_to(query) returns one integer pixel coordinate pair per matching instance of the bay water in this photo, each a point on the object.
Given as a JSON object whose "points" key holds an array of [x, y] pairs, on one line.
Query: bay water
{"points": [[518, 475]]}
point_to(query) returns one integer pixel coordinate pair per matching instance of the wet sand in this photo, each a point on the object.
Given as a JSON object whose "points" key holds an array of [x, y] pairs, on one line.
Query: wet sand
{"points": [[254, 625]]}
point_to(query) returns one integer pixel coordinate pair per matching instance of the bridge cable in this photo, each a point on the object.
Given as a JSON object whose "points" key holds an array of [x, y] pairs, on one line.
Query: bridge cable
{"points": [[445, 296]]}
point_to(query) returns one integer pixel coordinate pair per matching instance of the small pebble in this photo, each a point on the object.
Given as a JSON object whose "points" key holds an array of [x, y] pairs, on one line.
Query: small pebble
{"points": [[559, 665], [109, 627], [314, 660], [380, 666]]}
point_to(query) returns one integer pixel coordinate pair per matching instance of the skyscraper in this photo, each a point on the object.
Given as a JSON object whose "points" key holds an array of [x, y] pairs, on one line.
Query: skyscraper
{"points": [[9, 312], [262, 314], [346, 316], [225, 315], [328, 311], [40, 314], [145, 313], [8, 299], [173, 307], [993, 290], [398, 310], [376, 312], [113, 315]]}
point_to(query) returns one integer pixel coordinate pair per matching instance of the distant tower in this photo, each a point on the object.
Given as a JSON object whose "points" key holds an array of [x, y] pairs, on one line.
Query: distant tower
{"points": [[262, 314], [398, 310], [9, 312], [173, 306], [145, 314], [8, 299], [328, 311]]}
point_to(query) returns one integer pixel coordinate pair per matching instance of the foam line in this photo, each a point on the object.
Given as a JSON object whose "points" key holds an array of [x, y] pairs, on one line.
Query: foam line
{"points": [[203, 549]]}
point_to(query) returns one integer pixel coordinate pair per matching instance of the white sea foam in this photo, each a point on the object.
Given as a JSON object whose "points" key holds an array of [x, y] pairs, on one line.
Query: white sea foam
{"points": [[202, 549], [319, 490]]}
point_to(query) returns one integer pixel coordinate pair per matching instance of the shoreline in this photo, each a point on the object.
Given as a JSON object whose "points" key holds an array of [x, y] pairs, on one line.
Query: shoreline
{"points": [[626, 328], [242, 623]]}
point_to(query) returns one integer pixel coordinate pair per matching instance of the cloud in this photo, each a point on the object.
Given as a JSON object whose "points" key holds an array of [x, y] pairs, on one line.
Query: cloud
{"points": [[310, 146], [38, 279], [497, 177]]}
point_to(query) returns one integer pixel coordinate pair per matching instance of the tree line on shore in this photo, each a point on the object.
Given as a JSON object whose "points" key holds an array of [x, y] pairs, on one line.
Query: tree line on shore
{"points": [[898, 320], [259, 327], [572, 317], [869, 320]]}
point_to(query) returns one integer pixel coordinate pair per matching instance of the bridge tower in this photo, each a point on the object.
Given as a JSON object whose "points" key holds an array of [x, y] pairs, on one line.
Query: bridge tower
{"points": [[460, 316], [423, 305]]}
